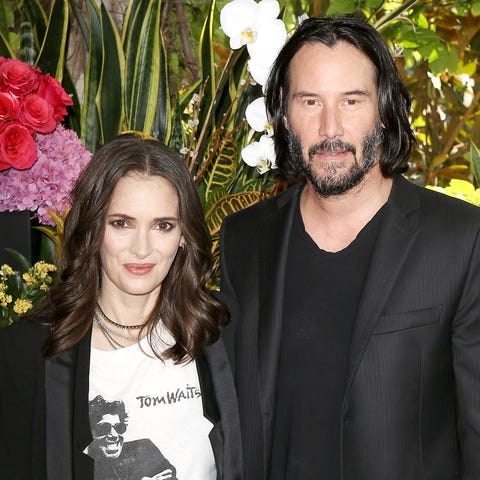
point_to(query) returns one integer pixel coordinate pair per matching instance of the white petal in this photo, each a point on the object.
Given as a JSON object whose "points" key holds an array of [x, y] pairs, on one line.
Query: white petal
{"points": [[236, 16], [267, 10], [251, 154], [256, 115], [259, 69], [270, 38]]}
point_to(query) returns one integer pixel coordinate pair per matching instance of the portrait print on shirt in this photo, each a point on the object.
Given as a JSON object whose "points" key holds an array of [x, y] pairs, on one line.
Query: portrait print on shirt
{"points": [[117, 459]]}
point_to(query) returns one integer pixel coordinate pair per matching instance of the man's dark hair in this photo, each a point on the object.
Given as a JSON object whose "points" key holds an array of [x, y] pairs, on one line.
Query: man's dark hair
{"points": [[98, 407], [393, 99]]}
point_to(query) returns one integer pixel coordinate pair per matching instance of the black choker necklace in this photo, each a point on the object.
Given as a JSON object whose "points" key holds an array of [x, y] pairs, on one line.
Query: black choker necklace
{"points": [[118, 325]]}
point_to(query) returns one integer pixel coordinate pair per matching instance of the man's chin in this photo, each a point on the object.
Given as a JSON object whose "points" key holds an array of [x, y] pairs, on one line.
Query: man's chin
{"points": [[112, 450]]}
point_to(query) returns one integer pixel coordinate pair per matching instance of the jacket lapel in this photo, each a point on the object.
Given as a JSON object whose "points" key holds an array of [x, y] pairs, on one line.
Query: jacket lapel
{"points": [[221, 408], [67, 421], [397, 233], [273, 259]]}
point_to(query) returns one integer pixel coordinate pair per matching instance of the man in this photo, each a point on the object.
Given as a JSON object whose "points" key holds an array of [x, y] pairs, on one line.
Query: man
{"points": [[355, 294], [138, 459]]}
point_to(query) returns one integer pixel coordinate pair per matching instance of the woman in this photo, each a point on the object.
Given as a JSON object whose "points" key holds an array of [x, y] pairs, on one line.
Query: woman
{"points": [[121, 373]]}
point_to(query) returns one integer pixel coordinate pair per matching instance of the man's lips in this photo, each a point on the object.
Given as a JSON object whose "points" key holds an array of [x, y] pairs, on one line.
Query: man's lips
{"points": [[139, 268]]}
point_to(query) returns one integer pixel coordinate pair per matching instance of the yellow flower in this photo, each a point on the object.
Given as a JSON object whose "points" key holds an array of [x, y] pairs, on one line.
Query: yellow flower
{"points": [[6, 270], [29, 278], [5, 299], [22, 305]]}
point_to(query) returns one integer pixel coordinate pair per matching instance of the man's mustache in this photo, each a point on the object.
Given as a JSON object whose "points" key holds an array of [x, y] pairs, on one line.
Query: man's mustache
{"points": [[331, 146]]}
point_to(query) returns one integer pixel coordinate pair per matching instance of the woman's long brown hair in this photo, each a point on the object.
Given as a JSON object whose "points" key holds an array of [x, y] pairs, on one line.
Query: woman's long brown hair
{"points": [[187, 308]]}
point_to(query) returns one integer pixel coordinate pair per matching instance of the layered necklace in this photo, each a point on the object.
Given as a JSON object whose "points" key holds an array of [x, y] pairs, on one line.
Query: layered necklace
{"points": [[112, 336]]}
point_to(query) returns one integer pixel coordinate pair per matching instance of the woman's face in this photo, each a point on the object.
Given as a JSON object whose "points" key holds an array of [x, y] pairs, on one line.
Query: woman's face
{"points": [[142, 236]]}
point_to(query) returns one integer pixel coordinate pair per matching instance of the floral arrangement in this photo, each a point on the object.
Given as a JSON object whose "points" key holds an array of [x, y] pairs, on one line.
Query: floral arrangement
{"points": [[39, 159], [20, 293], [257, 26]]}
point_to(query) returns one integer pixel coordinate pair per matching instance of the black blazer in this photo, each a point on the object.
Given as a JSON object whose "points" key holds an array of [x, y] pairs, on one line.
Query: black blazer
{"points": [[411, 409], [44, 423]]}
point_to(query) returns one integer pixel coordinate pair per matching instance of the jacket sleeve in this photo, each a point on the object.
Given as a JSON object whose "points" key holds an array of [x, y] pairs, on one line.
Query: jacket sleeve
{"points": [[466, 364]]}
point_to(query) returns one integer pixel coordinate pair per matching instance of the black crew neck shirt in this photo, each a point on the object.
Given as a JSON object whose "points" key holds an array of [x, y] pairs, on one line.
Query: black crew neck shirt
{"points": [[322, 293]]}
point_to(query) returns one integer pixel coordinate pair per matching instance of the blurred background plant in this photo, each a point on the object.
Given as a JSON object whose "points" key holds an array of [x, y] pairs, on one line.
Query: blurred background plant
{"points": [[21, 290], [167, 68]]}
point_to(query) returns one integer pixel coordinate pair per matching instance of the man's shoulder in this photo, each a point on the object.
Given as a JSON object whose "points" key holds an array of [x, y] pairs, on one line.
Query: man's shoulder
{"points": [[438, 204]]}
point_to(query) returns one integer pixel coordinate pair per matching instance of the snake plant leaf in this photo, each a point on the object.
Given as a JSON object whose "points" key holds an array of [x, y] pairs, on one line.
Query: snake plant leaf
{"points": [[207, 61], [145, 80], [38, 19], [111, 79], [162, 123], [52, 53], [90, 120], [475, 155], [136, 12]]}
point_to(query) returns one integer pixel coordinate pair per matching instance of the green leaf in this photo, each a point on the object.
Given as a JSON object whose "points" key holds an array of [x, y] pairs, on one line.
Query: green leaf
{"points": [[90, 121], [3, 19], [132, 33], [38, 20], [475, 159], [111, 80], [222, 172], [5, 48], [162, 124], [475, 9], [22, 261], [52, 53], [145, 79]]}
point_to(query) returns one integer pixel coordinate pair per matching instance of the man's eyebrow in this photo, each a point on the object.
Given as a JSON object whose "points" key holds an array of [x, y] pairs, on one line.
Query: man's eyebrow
{"points": [[358, 91]]}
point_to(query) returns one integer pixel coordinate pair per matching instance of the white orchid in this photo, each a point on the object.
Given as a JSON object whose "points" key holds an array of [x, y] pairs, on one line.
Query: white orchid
{"points": [[253, 24], [260, 155], [257, 117]]}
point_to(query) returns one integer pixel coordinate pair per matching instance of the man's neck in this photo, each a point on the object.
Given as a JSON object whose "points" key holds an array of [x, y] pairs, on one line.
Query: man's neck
{"points": [[334, 222]]}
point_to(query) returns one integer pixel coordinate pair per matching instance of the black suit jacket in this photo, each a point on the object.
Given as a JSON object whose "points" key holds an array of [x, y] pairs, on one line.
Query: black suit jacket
{"points": [[411, 409], [44, 422]]}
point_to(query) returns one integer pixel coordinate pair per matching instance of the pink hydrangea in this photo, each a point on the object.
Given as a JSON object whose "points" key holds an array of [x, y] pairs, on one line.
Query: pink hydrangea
{"points": [[48, 183]]}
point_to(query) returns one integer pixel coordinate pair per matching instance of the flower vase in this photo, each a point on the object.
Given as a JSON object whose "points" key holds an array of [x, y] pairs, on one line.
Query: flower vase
{"points": [[15, 233]]}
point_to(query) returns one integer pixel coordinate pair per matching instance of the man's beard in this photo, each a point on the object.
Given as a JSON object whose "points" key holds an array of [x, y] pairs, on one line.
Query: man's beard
{"points": [[331, 182]]}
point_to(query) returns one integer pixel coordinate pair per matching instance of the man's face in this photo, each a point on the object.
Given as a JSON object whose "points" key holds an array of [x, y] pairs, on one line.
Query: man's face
{"points": [[332, 117], [107, 435]]}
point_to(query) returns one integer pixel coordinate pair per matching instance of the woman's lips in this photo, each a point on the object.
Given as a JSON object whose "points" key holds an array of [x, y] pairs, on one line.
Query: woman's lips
{"points": [[139, 268]]}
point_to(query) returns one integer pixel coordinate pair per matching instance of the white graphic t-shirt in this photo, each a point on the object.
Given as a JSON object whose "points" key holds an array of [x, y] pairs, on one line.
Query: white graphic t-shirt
{"points": [[147, 417]]}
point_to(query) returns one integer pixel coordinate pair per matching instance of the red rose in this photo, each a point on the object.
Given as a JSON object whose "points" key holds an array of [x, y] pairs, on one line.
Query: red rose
{"points": [[36, 113], [18, 78], [17, 148], [8, 109], [51, 90]]}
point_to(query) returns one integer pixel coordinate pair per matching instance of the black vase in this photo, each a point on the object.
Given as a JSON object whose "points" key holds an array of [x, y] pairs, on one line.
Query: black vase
{"points": [[15, 233]]}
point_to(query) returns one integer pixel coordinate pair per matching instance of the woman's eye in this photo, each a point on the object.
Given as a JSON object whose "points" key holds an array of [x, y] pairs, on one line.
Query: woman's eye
{"points": [[165, 226], [120, 223]]}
